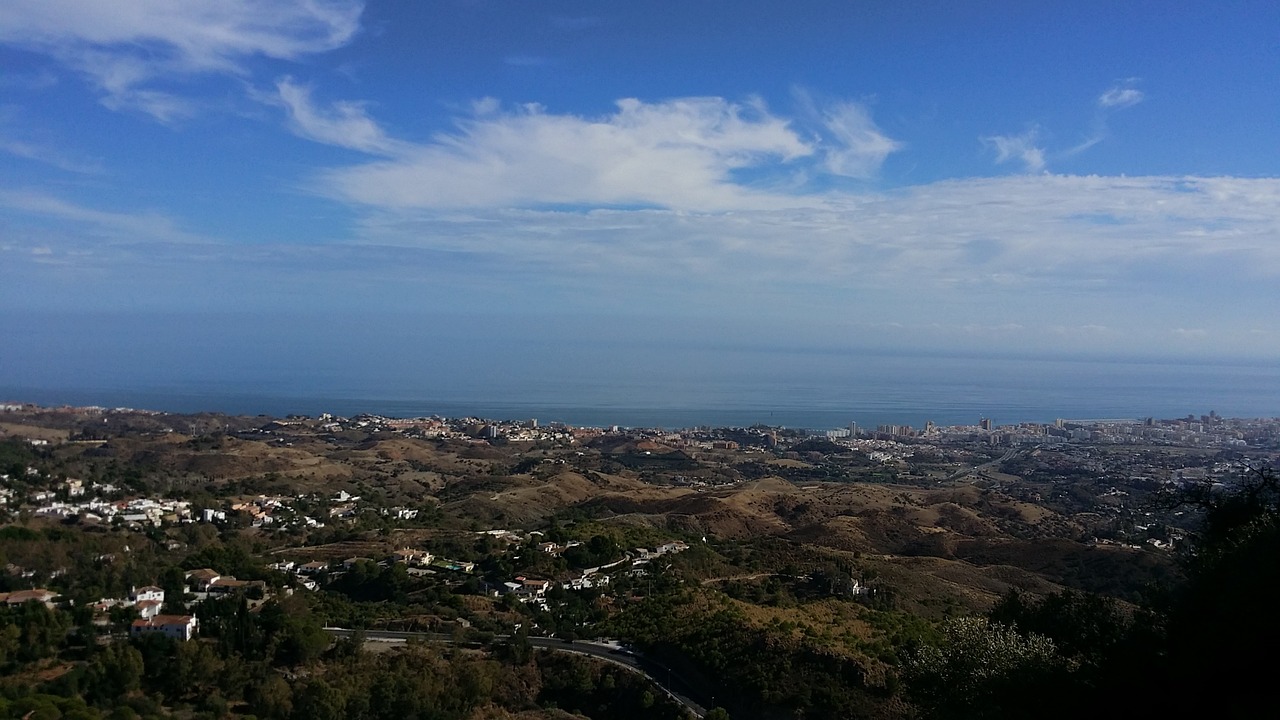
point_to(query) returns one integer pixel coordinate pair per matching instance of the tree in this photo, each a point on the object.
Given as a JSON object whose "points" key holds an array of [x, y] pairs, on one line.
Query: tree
{"points": [[195, 670], [10, 641], [982, 669], [121, 616], [517, 650], [1082, 625], [296, 636], [1192, 649], [173, 582], [40, 630], [1223, 617], [318, 700], [271, 697], [116, 670]]}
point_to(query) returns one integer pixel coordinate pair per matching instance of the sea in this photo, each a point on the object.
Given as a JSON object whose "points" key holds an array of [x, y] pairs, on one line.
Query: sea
{"points": [[869, 391]]}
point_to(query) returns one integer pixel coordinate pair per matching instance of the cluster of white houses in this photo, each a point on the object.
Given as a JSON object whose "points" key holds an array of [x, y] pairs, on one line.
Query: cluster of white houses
{"points": [[147, 602], [63, 499], [136, 512], [205, 582]]}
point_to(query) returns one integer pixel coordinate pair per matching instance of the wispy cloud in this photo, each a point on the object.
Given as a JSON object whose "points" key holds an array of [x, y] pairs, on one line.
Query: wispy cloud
{"points": [[1027, 148], [684, 153], [678, 153], [106, 225], [1024, 148], [1121, 96], [1118, 97], [125, 47], [41, 153], [1021, 232], [860, 147], [946, 252], [662, 181], [848, 139], [344, 124]]}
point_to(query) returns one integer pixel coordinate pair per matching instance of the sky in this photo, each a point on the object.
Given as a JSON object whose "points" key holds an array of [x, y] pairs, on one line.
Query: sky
{"points": [[263, 190]]}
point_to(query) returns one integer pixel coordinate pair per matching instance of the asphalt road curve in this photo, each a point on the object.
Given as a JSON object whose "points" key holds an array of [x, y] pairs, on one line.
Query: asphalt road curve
{"points": [[669, 681]]}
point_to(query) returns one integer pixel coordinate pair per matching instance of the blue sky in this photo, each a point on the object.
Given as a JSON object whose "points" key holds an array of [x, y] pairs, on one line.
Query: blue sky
{"points": [[469, 177]]}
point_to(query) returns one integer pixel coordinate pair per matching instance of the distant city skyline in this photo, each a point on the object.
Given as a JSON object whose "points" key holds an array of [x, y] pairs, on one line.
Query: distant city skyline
{"points": [[296, 192]]}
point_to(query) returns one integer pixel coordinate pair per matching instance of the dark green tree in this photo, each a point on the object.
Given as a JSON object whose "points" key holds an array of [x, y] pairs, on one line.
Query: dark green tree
{"points": [[983, 669], [1223, 618], [116, 670]]}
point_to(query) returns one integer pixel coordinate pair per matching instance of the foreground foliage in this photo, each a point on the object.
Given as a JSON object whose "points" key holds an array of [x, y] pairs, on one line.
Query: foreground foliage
{"points": [[1192, 648]]}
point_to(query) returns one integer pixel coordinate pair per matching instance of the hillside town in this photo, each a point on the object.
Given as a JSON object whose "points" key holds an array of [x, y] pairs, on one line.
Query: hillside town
{"points": [[204, 531]]}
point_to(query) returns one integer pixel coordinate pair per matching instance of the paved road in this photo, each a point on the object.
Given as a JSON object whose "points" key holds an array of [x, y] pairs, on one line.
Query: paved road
{"points": [[657, 673], [978, 468]]}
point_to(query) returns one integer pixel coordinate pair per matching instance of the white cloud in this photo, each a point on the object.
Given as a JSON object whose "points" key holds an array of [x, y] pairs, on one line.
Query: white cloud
{"points": [[114, 226], [163, 106], [861, 148], [345, 124], [1033, 235], [49, 156], [1022, 148], [1026, 147], [696, 153], [1100, 134], [850, 142], [1120, 96], [125, 46], [1074, 239], [486, 106], [1062, 261], [679, 153]]}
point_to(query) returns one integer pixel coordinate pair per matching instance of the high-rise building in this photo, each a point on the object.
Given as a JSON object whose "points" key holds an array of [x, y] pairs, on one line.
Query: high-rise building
{"points": [[986, 424], [896, 430]]}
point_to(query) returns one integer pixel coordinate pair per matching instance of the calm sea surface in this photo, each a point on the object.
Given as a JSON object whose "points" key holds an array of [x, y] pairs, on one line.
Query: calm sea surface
{"points": [[820, 394]]}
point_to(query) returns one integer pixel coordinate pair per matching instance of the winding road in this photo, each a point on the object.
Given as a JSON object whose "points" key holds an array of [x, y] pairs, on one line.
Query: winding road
{"points": [[611, 652]]}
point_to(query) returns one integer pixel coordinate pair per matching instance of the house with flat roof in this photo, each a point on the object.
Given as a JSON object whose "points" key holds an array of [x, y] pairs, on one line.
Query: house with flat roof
{"points": [[145, 593], [179, 627]]}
